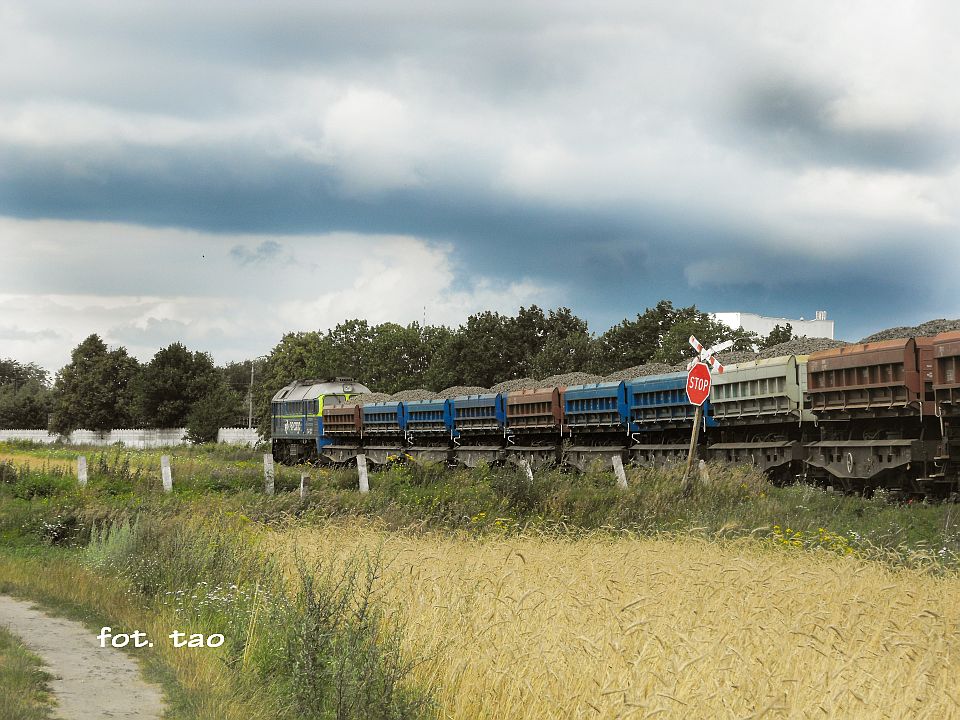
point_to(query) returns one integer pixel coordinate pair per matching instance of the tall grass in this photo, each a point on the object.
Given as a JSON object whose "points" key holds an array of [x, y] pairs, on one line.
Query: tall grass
{"points": [[535, 626], [324, 650]]}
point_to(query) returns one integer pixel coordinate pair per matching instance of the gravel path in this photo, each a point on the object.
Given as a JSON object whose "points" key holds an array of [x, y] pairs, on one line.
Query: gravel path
{"points": [[90, 682]]}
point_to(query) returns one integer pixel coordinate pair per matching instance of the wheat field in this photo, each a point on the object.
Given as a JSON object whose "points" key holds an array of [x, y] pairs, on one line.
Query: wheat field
{"points": [[600, 627]]}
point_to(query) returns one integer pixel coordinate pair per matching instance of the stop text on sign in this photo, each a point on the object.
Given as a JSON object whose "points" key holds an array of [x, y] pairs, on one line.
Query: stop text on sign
{"points": [[698, 383]]}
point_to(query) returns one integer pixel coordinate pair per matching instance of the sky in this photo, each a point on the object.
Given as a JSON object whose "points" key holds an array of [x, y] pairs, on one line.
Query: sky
{"points": [[220, 173]]}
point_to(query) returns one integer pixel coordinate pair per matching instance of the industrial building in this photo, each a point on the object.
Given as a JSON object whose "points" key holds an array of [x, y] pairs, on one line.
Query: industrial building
{"points": [[763, 326]]}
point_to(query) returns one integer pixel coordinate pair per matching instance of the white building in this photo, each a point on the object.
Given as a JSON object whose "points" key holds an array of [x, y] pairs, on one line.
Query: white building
{"points": [[763, 326]]}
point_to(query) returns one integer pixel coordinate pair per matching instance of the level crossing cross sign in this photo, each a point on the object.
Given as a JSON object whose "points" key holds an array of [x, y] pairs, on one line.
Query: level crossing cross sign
{"points": [[698, 383]]}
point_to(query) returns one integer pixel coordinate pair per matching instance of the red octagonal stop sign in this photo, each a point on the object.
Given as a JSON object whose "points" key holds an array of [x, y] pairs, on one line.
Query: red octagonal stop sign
{"points": [[698, 383]]}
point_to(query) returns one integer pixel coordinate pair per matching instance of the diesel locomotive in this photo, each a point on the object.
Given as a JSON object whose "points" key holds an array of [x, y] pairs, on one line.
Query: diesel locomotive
{"points": [[861, 417]]}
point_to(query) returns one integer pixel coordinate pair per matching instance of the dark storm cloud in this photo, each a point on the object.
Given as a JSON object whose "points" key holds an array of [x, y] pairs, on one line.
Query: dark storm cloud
{"points": [[794, 121], [599, 150]]}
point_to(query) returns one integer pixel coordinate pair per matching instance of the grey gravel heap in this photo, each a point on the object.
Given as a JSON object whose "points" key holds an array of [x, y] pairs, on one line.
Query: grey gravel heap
{"points": [[639, 371], [368, 398], [927, 329], [418, 394], [735, 356], [801, 346], [460, 390], [516, 384], [572, 378]]}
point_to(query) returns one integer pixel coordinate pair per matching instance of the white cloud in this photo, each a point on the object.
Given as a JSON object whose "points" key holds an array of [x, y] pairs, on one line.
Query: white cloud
{"points": [[195, 290]]}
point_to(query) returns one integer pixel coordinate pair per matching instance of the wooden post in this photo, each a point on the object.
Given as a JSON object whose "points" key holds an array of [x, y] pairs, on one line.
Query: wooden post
{"points": [[362, 470], [621, 474], [688, 481], [304, 485], [268, 474], [165, 473], [82, 471]]}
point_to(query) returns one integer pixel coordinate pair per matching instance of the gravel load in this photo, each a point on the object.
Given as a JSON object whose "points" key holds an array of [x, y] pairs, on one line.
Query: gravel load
{"points": [[732, 357], [418, 394], [927, 329], [640, 371], [367, 398], [459, 390], [516, 384], [567, 379], [801, 346]]}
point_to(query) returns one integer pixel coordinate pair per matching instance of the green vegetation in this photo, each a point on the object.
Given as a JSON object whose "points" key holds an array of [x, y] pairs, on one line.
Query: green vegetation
{"points": [[312, 640], [24, 694], [43, 502]]}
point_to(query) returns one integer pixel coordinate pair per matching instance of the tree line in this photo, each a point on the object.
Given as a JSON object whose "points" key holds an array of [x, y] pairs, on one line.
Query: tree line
{"points": [[102, 388]]}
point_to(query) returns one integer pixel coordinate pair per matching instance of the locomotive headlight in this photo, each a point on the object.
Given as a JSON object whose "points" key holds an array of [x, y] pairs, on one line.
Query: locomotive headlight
{"points": [[348, 388]]}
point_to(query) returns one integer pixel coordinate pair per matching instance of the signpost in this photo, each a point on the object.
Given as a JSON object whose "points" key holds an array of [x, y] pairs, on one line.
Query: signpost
{"points": [[698, 390]]}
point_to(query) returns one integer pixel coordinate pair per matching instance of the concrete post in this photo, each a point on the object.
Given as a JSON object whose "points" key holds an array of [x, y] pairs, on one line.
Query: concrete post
{"points": [[268, 483], [166, 474], [304, 485], [362, 469], [621, 473], [82, 471]]}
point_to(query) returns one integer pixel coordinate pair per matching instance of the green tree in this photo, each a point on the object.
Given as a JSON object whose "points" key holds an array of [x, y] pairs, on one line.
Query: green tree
{"points": [[171, 383], [675, 344], [779, 334], [25, 395], [215, 409], [93, 391], [634, 342]]}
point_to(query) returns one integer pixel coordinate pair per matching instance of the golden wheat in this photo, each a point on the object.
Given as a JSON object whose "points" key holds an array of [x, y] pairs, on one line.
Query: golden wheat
{"points": [[536, 627]]}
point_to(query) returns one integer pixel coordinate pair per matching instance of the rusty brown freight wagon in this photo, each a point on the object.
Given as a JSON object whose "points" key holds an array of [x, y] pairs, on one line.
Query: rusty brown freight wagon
{"points": [[535, 425], [875, 408], [946, 390]]}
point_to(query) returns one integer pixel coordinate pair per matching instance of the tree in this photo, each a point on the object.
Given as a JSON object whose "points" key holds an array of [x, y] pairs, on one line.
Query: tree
{"points": [[215, 409], [25, 395], [777, 335], [171, 383], [675, 346], [634, 342], [93, 391]]}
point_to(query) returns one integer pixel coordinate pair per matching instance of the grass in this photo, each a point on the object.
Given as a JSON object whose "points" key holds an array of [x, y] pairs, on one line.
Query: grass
{"points": [[310, 645], [541, 626], [482, 594], [23, 683]]}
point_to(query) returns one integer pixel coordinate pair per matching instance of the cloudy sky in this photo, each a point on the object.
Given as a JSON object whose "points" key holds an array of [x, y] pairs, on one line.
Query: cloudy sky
{"points": [[222, 172]]}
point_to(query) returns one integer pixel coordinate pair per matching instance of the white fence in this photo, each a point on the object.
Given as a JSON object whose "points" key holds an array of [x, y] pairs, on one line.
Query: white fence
{"points": [[161, 437]]}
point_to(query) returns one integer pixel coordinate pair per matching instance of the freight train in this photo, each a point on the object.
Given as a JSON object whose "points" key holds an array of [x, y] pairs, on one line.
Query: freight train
{"points": [[857, 418]]}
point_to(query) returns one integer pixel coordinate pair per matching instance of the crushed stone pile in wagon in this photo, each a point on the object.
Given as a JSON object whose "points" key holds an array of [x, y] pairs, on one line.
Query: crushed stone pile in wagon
{"points": [[461, 390], [735, 356], [516, 384], [640, 371], [418, 394], [927, 329], [801, 346], [368, 398], [572, 378]]}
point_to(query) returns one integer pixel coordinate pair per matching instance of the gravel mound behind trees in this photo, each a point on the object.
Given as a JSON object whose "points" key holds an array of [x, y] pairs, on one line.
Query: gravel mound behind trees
{"points": [[927, 329], [516, 384], [640, 371], [460, 390], [800, 346], [418, 394], [572, 378], [368, 398]]}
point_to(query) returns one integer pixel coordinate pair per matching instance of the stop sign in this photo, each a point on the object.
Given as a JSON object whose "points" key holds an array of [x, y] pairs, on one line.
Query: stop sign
{"points": [[698, 383]]}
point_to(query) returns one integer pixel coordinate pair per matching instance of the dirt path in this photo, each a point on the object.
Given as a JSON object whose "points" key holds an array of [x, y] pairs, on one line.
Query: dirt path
{"points": [[91, 683]]}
